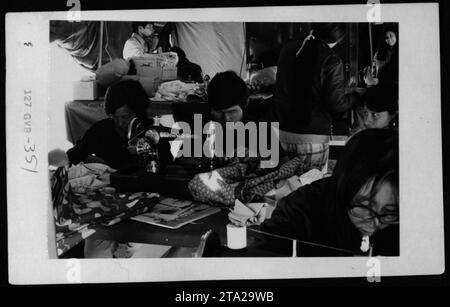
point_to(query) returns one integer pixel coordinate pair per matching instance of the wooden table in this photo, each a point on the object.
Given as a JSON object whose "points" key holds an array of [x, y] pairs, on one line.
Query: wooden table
{"points": [[188, 236]]}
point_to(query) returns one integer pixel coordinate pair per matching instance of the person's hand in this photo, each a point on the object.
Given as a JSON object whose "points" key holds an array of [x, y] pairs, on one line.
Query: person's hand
{"points": [[369, 79], [352, 82], [153, 136], [57, 158]]}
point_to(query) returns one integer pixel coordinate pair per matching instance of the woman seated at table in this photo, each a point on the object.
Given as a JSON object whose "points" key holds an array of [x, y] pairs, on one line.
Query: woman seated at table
{"points": [[358, 204], [228, 102], [379, 108], [107, 139]]}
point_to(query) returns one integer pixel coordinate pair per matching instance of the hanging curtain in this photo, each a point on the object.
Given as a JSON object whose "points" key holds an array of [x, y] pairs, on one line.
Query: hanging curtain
{"points": [[82, 40], [215, 46]]}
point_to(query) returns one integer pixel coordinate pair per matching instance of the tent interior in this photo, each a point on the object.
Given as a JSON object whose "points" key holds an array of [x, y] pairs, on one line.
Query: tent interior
{"points": [[78, 49]]}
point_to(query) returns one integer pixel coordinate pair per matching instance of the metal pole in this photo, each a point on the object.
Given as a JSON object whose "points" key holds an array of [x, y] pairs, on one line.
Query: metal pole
{"points": [[100, 49], [370, 43]]}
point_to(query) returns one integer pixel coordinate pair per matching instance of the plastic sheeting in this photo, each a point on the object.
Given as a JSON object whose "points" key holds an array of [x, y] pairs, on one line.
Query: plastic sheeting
{"points": [[215, 46]]}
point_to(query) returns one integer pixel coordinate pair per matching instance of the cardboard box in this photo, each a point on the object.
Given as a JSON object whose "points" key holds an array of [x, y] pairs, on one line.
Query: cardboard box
{"points": [[85, 90], [169, 74], [160, 67]]}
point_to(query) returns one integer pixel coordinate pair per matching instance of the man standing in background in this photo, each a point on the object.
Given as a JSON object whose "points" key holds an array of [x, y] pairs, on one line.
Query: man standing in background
{"points": [[143, 40]]}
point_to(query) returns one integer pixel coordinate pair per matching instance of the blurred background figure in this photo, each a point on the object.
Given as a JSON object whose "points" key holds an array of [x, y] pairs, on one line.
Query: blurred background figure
{"points": [[385, 62], [143, 40], [186, 70]]}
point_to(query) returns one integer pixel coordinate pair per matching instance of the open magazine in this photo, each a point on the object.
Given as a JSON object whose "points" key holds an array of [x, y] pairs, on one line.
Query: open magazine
{"points": [[174, 213]]}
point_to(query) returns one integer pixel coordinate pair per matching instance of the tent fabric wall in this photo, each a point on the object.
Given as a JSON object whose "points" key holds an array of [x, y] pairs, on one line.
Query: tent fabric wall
{"points": [[81, 40], [216, 47]]}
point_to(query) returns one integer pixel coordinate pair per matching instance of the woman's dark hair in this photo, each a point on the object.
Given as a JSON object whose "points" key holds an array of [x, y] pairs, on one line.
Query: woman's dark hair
{"points": [[385, 49], [181, 54], [369, 154], [381, 98], [390, 28], [227, 89], [329, 32], [130, 93], [136, 24]]}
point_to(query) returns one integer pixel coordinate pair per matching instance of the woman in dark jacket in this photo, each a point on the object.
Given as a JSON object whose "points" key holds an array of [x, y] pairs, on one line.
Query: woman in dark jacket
{"points": [[358, 204], [311, 92], [386, 60], [108, 139]]}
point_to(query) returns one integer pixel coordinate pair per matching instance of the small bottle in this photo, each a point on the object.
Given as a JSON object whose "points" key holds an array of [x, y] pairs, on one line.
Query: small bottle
{"points": [[156, 121], [153, 167], [206, 79], [211, 139], [153, 161]]}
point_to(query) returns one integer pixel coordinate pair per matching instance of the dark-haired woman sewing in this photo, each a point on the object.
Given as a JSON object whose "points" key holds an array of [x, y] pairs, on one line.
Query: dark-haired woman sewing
{"points": [[107, 139], [355, 209]]}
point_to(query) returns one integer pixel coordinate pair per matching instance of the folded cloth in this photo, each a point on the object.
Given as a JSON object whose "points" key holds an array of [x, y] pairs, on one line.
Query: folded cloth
{"points": [[89, 176], [83, 169], [311, 176], [286, 187], [176, 90], [250, 214]]}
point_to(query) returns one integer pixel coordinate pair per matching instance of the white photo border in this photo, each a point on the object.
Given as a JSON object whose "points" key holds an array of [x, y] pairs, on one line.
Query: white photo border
{"points": [[421, 191]]}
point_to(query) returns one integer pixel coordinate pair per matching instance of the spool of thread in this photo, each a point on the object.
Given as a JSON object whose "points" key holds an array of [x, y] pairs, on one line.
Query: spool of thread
{"points": [[236, 237]]}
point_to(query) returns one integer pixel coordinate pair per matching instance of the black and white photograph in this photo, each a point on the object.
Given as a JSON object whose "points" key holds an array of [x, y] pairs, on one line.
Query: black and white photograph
{"points": [[218, 144]]}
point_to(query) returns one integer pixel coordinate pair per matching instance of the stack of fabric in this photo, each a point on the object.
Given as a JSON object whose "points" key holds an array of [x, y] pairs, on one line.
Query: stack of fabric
{"points": [[178, 91], [83, 201]]}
